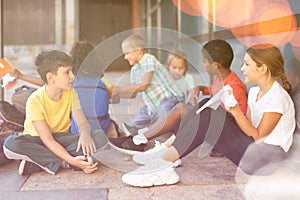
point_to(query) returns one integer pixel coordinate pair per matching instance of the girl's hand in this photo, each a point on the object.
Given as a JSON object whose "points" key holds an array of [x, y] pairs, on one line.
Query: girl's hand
{"points": [[228, 98], [234, 110], [14, 72]]}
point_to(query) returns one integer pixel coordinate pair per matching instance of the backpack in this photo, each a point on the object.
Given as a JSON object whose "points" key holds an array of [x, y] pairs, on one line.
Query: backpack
{"points": [[10, 117], [94, 100], [20, 96]]}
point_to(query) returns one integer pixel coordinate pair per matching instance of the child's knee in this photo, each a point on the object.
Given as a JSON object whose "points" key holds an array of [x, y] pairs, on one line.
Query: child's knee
{"points": [[11, 146], [11, 142]]}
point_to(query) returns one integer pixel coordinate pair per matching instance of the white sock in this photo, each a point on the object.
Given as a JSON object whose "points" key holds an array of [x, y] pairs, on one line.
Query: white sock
{"points": [[139, 139]]}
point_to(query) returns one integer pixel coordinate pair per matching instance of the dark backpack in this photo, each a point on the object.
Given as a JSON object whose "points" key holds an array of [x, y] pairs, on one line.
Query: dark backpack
{"points": [[20, 96], [10, 117]]}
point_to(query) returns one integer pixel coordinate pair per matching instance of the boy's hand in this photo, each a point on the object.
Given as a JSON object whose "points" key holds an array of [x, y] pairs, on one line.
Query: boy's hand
{"points": [[112, 90], [87, 144], [193, 99], [196, 91], [195, 95], [85, 163], [14, 72], [113, 94]]}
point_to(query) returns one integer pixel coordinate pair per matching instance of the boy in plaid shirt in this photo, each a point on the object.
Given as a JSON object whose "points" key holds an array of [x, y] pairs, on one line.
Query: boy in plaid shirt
{"points": [[152, 79]]}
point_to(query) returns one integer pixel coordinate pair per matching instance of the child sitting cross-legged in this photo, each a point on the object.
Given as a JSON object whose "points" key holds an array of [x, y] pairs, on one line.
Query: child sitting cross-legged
{"points": [[46, 143]]}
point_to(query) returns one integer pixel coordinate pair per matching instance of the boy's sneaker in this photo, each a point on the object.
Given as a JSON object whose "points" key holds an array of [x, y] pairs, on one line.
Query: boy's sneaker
{"points": [[126, 145], [129, 130], [158, 172], [27, 167]]}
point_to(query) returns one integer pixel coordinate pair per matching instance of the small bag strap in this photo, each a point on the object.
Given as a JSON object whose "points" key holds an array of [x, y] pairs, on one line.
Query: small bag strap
{"points": [[23, 87]]}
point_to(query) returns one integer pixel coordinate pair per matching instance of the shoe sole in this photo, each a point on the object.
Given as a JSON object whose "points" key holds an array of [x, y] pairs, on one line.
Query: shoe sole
{"points": [[173, 179], [22, 167], [126, 151]]}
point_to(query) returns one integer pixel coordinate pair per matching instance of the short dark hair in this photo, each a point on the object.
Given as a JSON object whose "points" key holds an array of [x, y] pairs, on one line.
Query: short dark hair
{"points": [[50, 61], [218, 51]]}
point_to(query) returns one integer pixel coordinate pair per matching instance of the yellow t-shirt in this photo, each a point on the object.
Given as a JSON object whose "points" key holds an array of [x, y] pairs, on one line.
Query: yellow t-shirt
{"points": [[56, 114], [106, 82]]}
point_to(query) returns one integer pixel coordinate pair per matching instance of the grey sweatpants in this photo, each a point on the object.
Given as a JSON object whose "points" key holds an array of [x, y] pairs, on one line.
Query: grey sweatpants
{"points": [[31, 148]]}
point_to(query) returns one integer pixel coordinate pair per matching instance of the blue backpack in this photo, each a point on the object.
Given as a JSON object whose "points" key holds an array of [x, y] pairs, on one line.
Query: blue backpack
{"points": [[94, 101]]}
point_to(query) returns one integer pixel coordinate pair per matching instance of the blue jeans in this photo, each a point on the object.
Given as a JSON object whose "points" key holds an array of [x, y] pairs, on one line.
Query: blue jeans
{"points": [[143, 119]]}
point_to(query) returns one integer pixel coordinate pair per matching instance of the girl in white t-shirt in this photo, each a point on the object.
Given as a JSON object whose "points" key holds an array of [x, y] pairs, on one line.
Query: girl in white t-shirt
{"points": [[257, 142]]}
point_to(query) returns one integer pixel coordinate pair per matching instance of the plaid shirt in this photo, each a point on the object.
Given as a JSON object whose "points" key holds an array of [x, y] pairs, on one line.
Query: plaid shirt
{"points": [[161, 86]]}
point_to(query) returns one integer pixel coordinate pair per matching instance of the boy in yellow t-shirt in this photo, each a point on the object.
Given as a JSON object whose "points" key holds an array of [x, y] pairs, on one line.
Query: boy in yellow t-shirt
{"points": [[46, 143]]}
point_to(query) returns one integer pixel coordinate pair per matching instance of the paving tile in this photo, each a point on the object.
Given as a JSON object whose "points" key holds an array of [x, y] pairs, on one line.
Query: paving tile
{"points": [[90, 194], [10, 180]]}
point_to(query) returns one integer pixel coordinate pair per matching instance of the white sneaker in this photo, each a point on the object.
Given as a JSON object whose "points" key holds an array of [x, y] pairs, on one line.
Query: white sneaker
{"points": [[156, 152], [158, 172]]}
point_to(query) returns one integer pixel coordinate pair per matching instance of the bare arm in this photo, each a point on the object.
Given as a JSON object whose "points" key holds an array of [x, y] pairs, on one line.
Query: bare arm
{"points": [[132, 90], [267, 124], [48, 140], [31, 79], [85, 142], [195, 94]]}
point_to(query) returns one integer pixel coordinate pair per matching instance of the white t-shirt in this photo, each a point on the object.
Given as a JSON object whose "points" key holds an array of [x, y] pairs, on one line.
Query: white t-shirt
{"points": [[279, 101]]}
